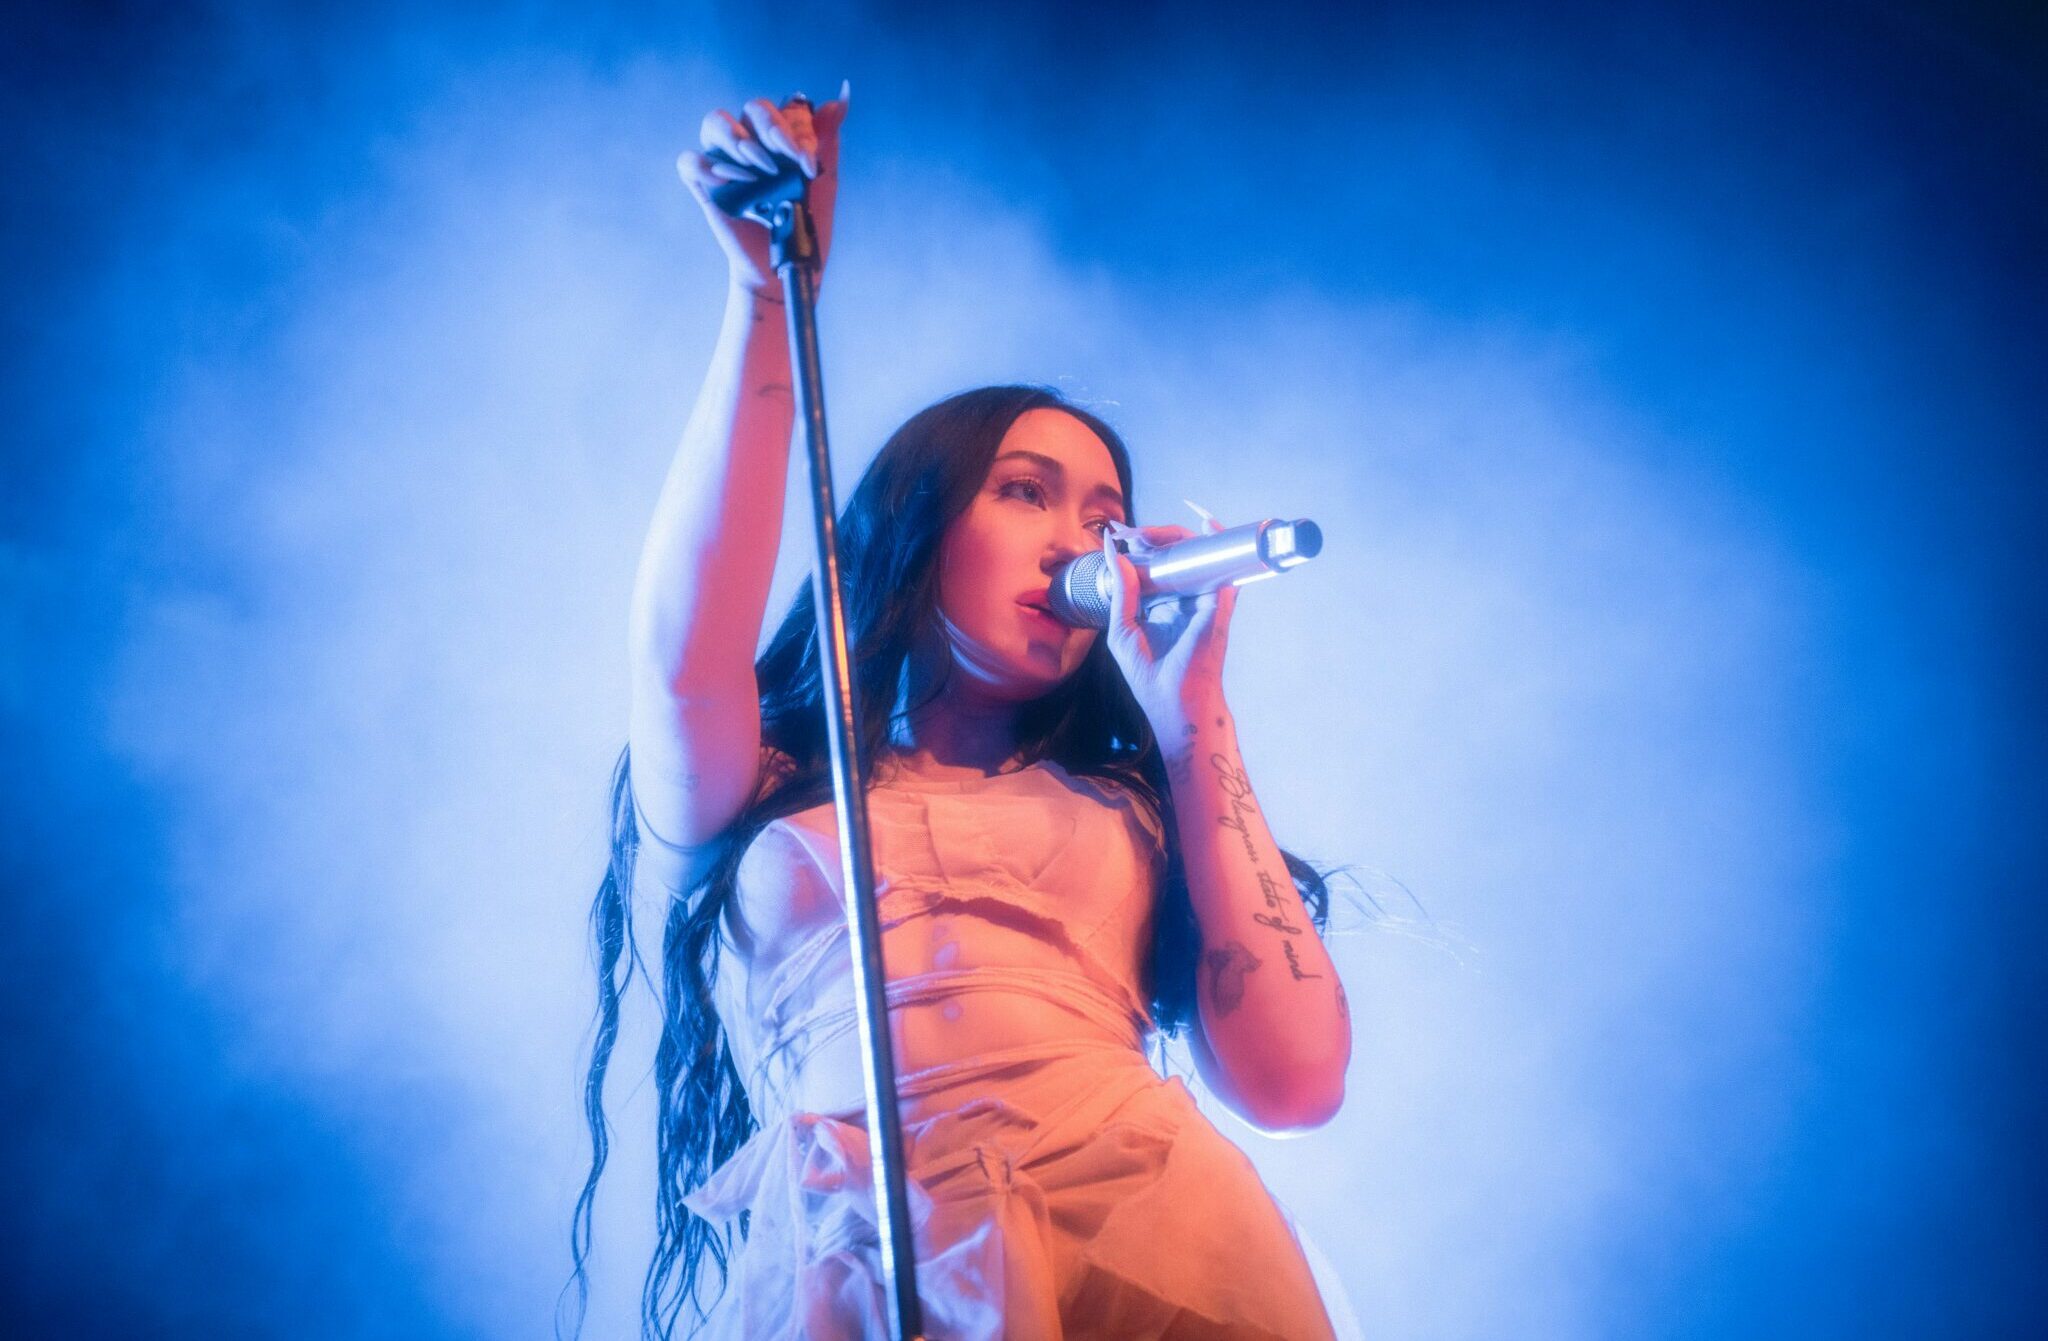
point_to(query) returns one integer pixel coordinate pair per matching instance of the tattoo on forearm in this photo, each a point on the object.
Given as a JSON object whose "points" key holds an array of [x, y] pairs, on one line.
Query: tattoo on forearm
{"points": [[1276, 914], [1237, 788], [1180, 766], [1279, 904], [1294, 961], [1269, 890], [1226, 967], [1343, 1002]]}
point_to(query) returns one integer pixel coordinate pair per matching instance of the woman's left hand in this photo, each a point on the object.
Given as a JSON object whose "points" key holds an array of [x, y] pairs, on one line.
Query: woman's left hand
{"points": [[1172, 655]]}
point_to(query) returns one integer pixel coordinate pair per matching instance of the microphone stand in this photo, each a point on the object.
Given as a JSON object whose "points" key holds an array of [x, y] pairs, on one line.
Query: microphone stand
{"points": [[782, 203]]}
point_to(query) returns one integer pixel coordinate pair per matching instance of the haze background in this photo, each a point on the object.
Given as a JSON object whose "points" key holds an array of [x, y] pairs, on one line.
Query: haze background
{"points": [[1665, 383]]}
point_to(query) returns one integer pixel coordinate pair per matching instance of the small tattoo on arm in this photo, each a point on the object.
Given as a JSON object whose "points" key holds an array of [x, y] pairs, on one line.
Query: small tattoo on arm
{"points": [[1238, 789], [1236, 785], [1343, 1002], [1227, 965], [1180, 768], [1294, 962]]}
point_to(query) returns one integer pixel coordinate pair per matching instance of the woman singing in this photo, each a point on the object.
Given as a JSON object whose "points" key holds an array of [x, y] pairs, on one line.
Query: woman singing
{"points": [[1070, 864]]}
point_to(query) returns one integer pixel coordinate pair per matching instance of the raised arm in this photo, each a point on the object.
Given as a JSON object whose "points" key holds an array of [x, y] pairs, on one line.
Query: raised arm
{"points": [[702, 585]]}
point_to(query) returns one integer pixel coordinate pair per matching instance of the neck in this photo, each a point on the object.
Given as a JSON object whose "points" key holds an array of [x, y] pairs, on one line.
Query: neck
{"points": [[962, 730]]}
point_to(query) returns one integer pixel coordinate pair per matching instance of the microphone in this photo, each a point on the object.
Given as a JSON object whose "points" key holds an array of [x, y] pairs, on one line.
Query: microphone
{"points": [[1231, 558]]}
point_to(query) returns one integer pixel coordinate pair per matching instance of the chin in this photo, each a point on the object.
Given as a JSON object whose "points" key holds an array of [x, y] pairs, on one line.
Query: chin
{"points": [[1032, 682], [1021, 678], [1021, 671], [1047, 681]]}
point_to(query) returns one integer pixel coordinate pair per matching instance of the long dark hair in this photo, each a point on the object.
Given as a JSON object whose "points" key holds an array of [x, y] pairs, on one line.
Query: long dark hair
{"points": [[925, 476]]}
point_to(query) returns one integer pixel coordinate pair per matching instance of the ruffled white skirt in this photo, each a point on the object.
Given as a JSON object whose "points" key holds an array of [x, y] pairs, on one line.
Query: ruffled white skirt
{"points": [[1052, 1197]]}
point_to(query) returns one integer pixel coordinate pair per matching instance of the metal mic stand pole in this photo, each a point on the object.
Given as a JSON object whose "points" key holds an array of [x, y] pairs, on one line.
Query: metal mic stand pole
{"points": [[781, 202]]}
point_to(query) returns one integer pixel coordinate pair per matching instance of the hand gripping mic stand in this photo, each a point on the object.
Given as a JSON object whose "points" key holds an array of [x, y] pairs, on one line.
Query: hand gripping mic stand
{"points": [[781, 202]]}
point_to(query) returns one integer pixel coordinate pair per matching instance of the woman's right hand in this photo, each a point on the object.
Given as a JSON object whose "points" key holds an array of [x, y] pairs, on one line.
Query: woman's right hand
{"points": [[743, 148]]}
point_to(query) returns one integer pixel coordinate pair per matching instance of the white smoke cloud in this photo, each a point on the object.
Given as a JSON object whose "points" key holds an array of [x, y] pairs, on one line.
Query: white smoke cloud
{"points": [[1541, 675]]}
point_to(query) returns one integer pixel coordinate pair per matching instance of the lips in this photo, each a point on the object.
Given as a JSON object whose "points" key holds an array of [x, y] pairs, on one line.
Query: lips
{"points": [[1038, 608]]}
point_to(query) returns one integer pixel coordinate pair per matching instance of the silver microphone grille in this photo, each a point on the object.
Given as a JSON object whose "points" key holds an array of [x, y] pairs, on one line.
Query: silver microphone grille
{"points": [[1078, 598]]}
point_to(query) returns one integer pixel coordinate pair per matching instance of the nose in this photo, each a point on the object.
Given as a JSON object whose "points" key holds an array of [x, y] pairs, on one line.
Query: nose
{"points": [[1066, 549]]}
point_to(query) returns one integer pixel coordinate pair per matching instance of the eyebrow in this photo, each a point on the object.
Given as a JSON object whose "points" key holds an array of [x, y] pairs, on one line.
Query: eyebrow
{"points": [[1055, 468]]}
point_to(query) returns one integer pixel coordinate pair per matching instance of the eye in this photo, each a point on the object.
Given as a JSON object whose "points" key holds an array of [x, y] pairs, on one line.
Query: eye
{"points": [[1037, 486], [1022, 482]]}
